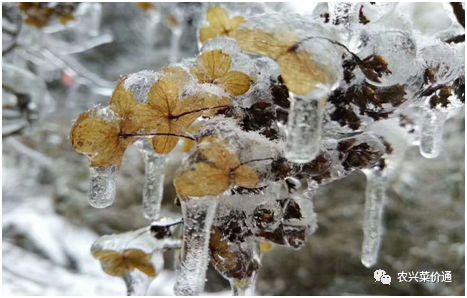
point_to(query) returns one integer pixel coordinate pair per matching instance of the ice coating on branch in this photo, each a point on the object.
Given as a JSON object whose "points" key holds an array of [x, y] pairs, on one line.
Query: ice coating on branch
{"points": [[198, 216], [153, 188], [102, 186], [375, 196]]}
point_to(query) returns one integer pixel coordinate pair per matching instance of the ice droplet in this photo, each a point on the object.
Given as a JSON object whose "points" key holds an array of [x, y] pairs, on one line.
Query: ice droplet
{"points": [[153, 183], [373, 215], [198, 214], [304, 129], [102, 187], [431, 134]]}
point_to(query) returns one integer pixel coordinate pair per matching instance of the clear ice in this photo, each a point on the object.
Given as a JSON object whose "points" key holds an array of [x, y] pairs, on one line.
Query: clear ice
{"points": [[102, 186], [375, 197], [198, 215], [304, 130], [153, 183]]}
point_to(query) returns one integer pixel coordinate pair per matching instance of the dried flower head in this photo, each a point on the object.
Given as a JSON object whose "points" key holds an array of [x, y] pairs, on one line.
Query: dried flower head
{"points": [[214, 68], [298, 69], [215, 173], [220, 24], [120, 264]]}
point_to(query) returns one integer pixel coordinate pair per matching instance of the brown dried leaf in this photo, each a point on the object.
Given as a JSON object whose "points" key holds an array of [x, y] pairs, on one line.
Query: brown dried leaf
{"points": [[220, 24], [300, 73], [215, 174], [212, 65], [117, 264], [99, 139], [201, 179], [164, 95], [262, 43], [235, 82], [246, 177], [164, 144], [214, 151], [213, 68]]}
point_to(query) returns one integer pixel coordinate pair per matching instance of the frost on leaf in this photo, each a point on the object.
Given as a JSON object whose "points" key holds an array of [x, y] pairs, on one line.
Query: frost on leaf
{"points": [[220, 24]]}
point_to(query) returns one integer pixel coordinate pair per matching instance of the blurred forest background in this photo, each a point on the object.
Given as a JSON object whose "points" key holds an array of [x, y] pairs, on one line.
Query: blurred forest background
{"points": [[53, 74]]}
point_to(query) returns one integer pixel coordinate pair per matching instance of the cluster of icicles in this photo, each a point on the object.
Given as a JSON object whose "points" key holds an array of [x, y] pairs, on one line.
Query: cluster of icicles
{"points": [[309, 133]]}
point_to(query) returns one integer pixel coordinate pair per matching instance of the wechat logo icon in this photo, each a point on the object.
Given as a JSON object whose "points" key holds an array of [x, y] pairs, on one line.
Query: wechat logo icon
{"points": [[381, 276]]}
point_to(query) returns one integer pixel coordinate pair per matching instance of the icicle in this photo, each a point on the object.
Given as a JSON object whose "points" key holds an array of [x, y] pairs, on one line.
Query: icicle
{"points": [[198, 216], [137, 283], [432, 133], [153, 182], [373, 215], [304, 129], [102, 187]]}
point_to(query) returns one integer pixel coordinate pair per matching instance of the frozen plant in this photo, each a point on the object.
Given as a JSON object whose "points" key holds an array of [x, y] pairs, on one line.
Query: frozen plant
{"points": [[275, 106]]}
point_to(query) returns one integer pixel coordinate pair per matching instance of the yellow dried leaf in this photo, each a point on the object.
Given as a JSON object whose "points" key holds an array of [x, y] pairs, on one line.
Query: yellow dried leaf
{"points": [[214, 68], [99, 139], [212, 65], [165, 144], [207, 33], [220, 24], [246, 177], [235, 82], [262, 43], [218, 17], [141, 261], [167, 113], [214, 151], [117, 264], [124, 104], [214, 175], [202, 179], [164, 95], [301, 75]]}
